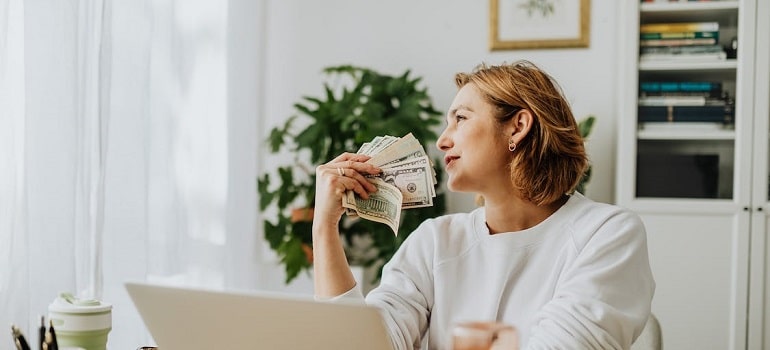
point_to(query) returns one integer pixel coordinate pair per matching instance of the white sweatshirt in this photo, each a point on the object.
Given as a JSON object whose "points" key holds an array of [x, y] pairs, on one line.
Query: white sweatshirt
{"points": [[580, 279]]}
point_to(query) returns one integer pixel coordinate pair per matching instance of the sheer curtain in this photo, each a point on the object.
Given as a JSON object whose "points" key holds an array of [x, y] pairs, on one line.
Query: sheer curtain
{"points": [[13, 239], [127, 151]]}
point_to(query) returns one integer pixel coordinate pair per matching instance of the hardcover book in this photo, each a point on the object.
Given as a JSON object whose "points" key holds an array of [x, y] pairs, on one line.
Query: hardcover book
{"points": [[717, 114], [679, 27], [678, 35], [680, 86], [677, 42]]}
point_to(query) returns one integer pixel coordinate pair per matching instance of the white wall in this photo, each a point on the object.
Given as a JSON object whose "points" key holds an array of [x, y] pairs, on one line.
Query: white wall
{"points": [[435, 39]]}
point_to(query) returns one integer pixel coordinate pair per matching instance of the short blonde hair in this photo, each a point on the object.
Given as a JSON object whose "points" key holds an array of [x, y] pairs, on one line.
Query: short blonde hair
{"points": [[550, 161]]}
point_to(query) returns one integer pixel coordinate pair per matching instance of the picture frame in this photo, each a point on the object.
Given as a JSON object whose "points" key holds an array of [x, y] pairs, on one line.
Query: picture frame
{"points": [[539, 24]]}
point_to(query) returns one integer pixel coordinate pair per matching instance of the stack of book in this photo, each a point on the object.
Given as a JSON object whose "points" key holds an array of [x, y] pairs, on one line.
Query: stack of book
{"points": [[689, 41], [684, 101]]}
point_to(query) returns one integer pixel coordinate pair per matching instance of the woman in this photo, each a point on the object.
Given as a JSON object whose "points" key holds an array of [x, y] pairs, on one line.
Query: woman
{"points": [[567, 272]]}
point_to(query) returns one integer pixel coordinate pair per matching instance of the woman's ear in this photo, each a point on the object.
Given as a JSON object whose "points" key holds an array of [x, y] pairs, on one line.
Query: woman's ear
{"points": [[520, 125]]}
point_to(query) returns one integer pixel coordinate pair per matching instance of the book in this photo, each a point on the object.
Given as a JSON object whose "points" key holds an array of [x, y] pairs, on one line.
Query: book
{"points": [[708, 94], [679, 27], [681, 49], [723, 114], [678, 35], [680, 86], [677, 42], [672, 100]]}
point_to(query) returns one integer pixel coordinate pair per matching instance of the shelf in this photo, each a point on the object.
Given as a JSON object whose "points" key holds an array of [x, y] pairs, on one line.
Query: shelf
{"points": [[684, 131], [723, 12], [688, 6], [726, 65]]}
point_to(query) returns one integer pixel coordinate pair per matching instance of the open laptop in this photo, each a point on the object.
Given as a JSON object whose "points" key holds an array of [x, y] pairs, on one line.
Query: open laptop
{"points": [[190, 319]]}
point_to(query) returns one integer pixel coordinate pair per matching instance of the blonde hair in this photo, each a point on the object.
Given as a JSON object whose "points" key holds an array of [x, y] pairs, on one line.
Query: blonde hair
{"points": [[551, 159]]}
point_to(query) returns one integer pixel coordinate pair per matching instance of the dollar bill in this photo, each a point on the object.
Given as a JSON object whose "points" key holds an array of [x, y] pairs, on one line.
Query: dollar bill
{"points": [[364, 148], [425, 167], [414, 184], [413, 160], [383, 206], [368, 146], [381, 144], [397, 150], [415, 151], [406, 170]]}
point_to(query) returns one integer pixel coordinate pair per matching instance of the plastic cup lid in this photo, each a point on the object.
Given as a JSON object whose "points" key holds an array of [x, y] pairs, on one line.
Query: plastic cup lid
{"points": [[66, 302]]}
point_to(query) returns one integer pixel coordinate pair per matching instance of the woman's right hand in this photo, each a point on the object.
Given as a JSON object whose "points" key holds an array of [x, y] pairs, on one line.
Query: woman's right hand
{"points": [[334, 179]]}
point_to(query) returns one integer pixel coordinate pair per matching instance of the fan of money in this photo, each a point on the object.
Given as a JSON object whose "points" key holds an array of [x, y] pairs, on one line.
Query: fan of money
{"points": [[407, 180]]}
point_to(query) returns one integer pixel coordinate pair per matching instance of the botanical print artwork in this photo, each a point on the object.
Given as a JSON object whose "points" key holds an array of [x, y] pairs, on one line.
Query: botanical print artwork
{"points": [[521, 24], [545, 7]]}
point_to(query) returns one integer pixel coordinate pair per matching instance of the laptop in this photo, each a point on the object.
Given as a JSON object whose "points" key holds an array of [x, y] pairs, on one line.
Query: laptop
{"points": [[190, 319]]}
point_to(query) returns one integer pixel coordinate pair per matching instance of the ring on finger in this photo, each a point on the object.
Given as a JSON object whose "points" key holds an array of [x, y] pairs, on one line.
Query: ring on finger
{"points": [[341, 171]]}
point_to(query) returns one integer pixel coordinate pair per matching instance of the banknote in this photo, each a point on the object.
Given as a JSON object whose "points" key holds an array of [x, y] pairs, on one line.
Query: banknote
{"points": [[396, 150], [383, 206], [420, 162], [414, 183], [380, 144], [406, 169]]}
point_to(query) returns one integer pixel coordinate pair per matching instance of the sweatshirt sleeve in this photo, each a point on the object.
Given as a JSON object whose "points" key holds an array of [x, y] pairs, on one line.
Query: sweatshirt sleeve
{"points": [[602, 300], [353, 295], [405, 292]]}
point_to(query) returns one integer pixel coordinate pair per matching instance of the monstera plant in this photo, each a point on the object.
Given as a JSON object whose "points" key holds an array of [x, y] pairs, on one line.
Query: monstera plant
{"points": [[357, 105]]}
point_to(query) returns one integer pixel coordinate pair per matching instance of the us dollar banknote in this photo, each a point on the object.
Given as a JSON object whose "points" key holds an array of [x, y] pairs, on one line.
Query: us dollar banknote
{"points": [[383, 206], [406, 170]]}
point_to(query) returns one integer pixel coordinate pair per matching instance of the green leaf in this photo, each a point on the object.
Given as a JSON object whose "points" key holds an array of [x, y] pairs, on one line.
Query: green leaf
{"points": [[585, 126], [306, 110], [274, 233], [293, 257], [265, 196], [275, 140]]}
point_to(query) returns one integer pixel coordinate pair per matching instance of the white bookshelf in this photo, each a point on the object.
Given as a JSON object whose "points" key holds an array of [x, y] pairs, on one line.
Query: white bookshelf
{"points": [[708, 252]]}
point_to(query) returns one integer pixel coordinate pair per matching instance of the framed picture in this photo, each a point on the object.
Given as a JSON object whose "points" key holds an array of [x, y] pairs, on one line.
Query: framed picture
{"points": [[537, 24]]}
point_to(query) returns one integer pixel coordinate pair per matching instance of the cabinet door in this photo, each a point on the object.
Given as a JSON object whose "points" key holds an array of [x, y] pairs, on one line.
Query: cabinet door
{"points": [[759, 289], [700, 272]]}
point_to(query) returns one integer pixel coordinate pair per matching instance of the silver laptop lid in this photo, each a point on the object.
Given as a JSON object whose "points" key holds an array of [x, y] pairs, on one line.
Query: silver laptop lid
{"points": [[190, 319]]}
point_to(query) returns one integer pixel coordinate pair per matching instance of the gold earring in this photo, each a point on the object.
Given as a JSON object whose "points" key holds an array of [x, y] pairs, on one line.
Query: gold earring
{"points": [[511, 145]]}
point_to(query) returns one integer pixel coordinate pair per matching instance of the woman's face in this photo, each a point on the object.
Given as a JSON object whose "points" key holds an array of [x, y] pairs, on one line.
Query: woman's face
{"points": [[475, 147]]}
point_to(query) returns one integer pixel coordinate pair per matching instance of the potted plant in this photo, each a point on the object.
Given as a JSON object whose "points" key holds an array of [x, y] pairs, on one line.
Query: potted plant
{"points": [[360, 105]]}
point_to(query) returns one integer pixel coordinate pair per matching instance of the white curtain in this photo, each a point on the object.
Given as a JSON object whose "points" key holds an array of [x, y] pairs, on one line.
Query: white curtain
{"points": [[91, 98], [188, 137], [127, 152], [14, 270]]}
